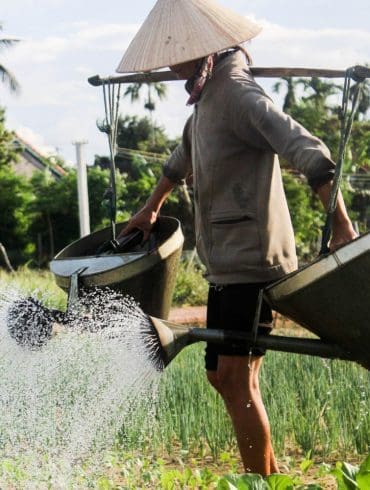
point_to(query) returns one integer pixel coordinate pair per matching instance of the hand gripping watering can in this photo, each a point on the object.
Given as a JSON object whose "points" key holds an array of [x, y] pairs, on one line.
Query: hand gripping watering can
{"points": [[145, 271]]}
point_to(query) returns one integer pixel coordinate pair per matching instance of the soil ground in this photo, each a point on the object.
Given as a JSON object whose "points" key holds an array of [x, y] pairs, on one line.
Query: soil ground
{"points": [[197, 315], [188, 315]]}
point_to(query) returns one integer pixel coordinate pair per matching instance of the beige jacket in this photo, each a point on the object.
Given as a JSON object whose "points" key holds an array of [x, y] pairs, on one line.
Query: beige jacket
{"points": [[230, 145]]}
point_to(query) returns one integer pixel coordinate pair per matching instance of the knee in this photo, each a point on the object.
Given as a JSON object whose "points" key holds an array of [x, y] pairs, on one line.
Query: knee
{"points": [[221, 382], [233, 383]]}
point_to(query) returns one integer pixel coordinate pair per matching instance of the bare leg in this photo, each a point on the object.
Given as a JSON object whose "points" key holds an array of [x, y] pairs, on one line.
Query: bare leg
{"points": [[236, 379]]}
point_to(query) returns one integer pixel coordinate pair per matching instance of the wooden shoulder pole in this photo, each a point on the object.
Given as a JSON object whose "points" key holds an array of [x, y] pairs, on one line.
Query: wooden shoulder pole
{"points": [[358, 72]]}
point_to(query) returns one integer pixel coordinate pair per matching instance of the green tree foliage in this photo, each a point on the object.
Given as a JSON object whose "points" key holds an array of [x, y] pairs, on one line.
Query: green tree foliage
{"points": [[39, 216], [154, 90], [15, 200], [5, 75], [99, 182], [55, 221], [8, 154], [134, 133], [15, 197], [360, 146], [318, 92], [290, 98], [133, 91], [55, 211], [139, 186], [306, 213], [317, 111], [318, 122]]}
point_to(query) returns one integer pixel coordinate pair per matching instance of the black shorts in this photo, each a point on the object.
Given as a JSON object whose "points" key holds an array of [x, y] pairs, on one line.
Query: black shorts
{"points": [[233, 307]]}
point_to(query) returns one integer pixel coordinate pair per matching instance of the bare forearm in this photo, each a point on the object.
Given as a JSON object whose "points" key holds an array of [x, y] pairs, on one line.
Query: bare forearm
{"points": [[147, 216], [340, 213], [159, 194]]}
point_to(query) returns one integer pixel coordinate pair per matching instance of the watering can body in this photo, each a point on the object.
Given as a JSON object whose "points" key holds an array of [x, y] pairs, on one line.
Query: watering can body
{"points": [[147, 272], [331, 297]]}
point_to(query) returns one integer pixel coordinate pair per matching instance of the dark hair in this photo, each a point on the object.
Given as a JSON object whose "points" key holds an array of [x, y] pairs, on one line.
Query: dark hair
{"points": [[246, 52]]}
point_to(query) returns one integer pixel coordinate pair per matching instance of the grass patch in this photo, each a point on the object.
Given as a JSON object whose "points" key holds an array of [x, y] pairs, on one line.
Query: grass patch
{"points": [[39, 282], [191, 288]]}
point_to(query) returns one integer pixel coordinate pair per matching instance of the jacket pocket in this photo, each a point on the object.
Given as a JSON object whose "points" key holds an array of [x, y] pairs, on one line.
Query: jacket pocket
{"points": [[230, 221], [235, 242]]}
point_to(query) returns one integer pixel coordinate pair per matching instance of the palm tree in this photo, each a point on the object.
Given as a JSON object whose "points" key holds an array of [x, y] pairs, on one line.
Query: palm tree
{"points": [[133, 92], [6, 76], [290, 97], [321, 91]]}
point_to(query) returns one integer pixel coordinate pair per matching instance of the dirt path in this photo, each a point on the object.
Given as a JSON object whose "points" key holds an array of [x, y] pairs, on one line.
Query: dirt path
{"points": [[188, 315]]}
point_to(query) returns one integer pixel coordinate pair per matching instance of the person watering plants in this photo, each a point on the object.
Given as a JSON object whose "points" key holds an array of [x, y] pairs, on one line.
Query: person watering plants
{"points": [[229, 148]]}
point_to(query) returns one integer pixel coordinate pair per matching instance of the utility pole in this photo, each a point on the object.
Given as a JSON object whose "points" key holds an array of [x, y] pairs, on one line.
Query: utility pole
{"points": [[83, 196]]}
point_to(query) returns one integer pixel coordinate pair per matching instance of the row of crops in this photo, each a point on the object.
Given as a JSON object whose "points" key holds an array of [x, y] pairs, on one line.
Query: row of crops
{"points": [[316, 407], [312, 404]]}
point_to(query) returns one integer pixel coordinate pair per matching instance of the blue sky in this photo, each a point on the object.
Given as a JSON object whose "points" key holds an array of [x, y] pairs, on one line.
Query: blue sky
{"points": [[66, 41]]}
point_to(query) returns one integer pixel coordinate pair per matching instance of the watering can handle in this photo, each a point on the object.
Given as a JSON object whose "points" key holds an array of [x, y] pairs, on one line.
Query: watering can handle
{"points": [[122, 244], [125, 243]]}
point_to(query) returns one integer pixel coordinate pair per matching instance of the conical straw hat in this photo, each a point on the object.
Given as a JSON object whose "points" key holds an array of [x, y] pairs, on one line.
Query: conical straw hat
{"points": [[177, 31]]}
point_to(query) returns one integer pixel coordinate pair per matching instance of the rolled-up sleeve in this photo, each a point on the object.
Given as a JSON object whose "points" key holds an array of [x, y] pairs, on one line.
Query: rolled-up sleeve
{"points": [[281, 133], [178, 167]]}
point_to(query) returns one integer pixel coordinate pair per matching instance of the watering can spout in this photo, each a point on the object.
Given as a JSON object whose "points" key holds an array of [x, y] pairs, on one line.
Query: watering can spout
{"points": [[172, 338]]}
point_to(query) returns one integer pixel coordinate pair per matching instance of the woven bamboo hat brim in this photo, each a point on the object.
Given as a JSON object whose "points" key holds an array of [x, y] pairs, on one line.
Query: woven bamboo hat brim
{"points": [[177, 31]]}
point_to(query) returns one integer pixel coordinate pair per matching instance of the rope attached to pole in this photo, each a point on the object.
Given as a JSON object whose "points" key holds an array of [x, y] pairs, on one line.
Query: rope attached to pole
{"points": [[347, 115], [110, 127]]}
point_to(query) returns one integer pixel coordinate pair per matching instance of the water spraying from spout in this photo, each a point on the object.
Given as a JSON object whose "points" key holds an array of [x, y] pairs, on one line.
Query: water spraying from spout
{"points": [[64, 398]]}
